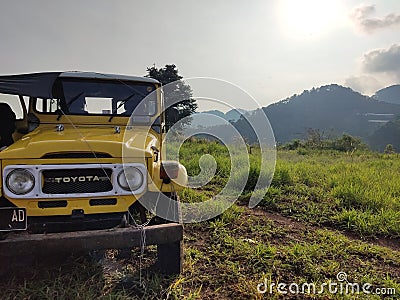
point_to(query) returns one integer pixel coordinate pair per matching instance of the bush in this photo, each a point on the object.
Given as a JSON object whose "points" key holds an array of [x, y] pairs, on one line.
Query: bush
{"points": [[345, 143], [389, 149]]}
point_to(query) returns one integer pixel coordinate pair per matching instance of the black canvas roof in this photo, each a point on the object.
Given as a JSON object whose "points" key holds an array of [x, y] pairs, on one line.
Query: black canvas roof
{"points": [[41, 84]]}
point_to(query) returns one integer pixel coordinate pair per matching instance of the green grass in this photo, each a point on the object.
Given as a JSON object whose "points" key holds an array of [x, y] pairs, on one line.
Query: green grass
{"points": [[359, 193], [325, 212]]}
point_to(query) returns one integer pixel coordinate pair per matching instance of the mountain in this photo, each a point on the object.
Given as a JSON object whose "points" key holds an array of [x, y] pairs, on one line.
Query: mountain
{"points": [[202, 119], [333, 109], [387, 134], [234, 114], [390, 94]]}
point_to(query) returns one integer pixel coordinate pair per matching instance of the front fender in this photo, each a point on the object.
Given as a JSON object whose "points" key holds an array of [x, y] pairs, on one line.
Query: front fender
{"points": [[177, 184]]}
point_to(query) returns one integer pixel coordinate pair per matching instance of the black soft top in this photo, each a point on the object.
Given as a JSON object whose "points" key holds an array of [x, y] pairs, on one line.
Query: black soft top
{"points": [[40, 85]]}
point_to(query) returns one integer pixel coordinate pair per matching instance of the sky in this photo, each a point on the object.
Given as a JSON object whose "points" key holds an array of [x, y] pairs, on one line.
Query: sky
{"points": [[271, 49]]}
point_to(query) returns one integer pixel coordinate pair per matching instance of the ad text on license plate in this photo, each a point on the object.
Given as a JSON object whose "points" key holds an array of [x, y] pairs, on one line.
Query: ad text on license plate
{"points": [[12, 219]]}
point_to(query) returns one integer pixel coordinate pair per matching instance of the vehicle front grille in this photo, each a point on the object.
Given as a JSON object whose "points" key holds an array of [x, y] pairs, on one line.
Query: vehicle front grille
{"points": [[76, 181]]}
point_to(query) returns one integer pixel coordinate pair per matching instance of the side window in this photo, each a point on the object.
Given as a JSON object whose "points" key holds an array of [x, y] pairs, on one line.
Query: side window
{"points": [[14, 102], [97, 105], [46, 105]]}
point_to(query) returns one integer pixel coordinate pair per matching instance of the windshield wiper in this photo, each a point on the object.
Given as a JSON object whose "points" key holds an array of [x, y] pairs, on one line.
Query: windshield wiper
{"points": [[123, 101], [60, 112], [74, 99]]}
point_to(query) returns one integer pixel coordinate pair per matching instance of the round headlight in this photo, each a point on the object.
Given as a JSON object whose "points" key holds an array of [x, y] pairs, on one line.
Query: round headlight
{"points": [[130, 179], [20, 181]]}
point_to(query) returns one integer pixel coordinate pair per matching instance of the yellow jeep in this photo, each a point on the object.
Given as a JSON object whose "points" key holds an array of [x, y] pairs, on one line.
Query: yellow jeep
{"points": [[70, 179]]}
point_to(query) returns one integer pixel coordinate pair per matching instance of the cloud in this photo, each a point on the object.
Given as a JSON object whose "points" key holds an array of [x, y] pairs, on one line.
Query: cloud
{"points": [[380, 68], [364, 84], [383, 61], [361, 15]]}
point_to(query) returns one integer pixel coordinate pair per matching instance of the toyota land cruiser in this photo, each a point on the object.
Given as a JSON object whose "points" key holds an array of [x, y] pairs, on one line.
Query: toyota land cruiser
{"points": [[66, 162]]}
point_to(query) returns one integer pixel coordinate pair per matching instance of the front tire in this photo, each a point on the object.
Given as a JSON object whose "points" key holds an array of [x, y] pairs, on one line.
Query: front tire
{"points": [[176, 214]]}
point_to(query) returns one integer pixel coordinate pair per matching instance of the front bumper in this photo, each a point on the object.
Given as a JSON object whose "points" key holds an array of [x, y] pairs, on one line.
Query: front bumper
{"points": [[43, 247], [83, 241]]}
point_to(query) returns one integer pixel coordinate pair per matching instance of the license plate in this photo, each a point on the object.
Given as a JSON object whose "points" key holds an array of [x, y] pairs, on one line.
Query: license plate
{"points": [[12, 219]]}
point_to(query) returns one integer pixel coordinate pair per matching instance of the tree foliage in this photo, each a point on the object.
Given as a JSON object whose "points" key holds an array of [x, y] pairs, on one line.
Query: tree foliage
{"points": [[347, 143], [177, 89], [315, 140], [389, 149]]}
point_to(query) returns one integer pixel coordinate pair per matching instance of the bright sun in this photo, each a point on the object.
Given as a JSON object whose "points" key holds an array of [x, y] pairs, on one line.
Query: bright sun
{"points": [[309, 18]]}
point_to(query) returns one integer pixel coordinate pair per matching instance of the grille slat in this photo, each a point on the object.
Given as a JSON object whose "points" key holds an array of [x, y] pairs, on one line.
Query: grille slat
{"points": [[76, 181]]}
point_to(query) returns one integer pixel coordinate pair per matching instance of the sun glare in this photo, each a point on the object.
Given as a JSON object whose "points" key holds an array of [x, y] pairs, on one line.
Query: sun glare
{"points": [[309, 18]]}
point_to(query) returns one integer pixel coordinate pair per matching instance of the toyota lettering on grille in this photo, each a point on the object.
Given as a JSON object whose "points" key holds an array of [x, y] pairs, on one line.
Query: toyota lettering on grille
{"points": [[73, 179]]}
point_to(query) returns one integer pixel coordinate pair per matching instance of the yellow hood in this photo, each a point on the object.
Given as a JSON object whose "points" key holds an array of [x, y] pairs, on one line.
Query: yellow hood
{"points": [[44, 140]]}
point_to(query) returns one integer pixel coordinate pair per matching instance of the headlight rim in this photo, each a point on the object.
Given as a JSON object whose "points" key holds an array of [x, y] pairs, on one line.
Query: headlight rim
{"points": [[32, 177], [128, 187]]}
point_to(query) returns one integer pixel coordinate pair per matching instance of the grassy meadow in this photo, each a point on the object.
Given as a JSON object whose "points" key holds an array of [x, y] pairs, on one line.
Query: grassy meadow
{"points": [[326, 212]]}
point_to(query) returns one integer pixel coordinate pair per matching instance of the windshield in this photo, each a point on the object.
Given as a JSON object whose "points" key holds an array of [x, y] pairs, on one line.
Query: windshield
{"points": [[105, 97]]}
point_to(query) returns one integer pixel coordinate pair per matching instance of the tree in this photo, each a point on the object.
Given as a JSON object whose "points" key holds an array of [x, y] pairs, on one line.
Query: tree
{"points": [[178, 90], [389, 149], [314, 138], [348, 143]]}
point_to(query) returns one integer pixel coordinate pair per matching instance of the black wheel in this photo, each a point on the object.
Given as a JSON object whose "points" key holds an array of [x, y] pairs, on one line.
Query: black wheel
{"points": [[173, 211], [138, 212], [124, 221]]}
